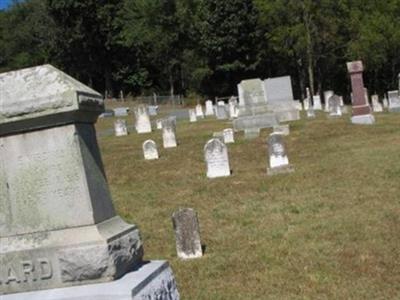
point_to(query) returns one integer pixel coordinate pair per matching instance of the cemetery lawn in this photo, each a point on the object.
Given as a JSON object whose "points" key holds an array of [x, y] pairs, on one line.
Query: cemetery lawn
{"points": [[330, 230]]}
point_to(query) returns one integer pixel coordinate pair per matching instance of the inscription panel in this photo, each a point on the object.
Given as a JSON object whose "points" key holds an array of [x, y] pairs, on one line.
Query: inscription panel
{"points": [[44, 182]]}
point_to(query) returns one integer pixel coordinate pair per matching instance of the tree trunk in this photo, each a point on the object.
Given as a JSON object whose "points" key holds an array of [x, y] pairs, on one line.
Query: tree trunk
{"points": [[310, 57]]}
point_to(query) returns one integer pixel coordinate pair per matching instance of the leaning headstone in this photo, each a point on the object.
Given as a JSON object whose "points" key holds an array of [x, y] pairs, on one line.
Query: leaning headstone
{"points": [[376, 106], [216, 157], [150, 150], [282, 129], [142, 122], [209, 108], [278, 160], [187, 233], [58, 227], [169, 133], [362, 113], [229, 137], [121, 111], [394, 101], [120, 128], [192, 116], [251, 133], [199, 111], [335, 109]]}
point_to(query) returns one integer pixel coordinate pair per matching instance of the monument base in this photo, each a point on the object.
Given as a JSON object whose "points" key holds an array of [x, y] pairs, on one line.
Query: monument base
{"points": [[280, 170], [251, 133], [153, 280], [363, 119]]}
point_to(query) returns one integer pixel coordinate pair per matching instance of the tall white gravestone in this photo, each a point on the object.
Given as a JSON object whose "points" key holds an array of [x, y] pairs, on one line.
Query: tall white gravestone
{"points": [[376, 106], [199, 111], [58, 227], [192, 116], [142, 124], [209, 108], [169, 133], [216, 157], [120, 128], [394, 101], [150, 151]]}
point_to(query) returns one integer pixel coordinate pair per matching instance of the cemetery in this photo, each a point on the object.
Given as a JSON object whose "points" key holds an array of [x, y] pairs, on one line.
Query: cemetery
{"points": [[136, 165]]}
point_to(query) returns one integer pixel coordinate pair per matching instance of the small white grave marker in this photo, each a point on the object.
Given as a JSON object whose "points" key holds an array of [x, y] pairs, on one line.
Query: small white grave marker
{"points": [[150, 150], [229, 137], [216, 157], [120, 128]]}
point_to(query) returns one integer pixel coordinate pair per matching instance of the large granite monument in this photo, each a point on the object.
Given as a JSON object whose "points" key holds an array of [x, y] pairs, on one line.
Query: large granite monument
{"points": [[361, 110], [58, 227]]}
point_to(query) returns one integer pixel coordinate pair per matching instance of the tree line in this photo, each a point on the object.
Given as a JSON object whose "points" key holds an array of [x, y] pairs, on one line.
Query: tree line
{"points": [[205, 47]]}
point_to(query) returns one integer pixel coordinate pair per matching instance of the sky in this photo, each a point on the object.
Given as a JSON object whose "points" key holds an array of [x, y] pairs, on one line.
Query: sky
{"points": [[4, 3]]}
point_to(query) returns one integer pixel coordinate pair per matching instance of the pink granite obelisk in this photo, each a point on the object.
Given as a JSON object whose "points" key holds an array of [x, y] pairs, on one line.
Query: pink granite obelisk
{"points": [[361, 110]]}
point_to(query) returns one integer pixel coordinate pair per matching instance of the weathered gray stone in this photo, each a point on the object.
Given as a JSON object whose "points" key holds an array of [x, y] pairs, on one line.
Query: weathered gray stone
{"points": [[120, 128], [335, 109], [169, 133], [187, 233], [121, 111], [150, 150], [394, 101], [152, 281], [216, 157], [278, 160], [327, 96], [251, 133], [57, 223], [221, 112], [153, 110]]}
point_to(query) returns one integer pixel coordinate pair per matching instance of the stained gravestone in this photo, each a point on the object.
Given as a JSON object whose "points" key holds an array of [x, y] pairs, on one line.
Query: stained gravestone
{"points": [[199, 111], [120, 128], [142, 122], [228, 136], [216, 157], [58, 227], [282, 129], [376, 106], [192, 116], [220, 112], [153, 110], [150, 151], [361, 110], [121, 111], [394, 101], [169, 133], [327, 96], [209, 108], [187, 233], [159, 124], [278, 160], [335, 109]]}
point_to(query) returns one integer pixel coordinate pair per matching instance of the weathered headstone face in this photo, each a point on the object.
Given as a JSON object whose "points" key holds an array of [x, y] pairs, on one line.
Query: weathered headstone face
{"points": [[361, 109], [192, 116], [120, 128], [278, 160], [252, 92], [310, 112], [334, 106], [317, 102], [187, 234], [199, 111], [228, 136], [159, 124], [169, 133], [150, 150], [282, 129], [220, 112], [209, 108], [394, 101], [219, 135], [251, 133], [153, 110], [233, 110], [306, 104], [143, 124], [58, 227], [121, 111], [327, 96], [376, 106], [216, 157]]}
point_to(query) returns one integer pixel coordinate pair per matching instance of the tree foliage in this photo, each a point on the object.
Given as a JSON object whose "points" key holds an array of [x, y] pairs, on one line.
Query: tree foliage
{"points": [[205, 46]]}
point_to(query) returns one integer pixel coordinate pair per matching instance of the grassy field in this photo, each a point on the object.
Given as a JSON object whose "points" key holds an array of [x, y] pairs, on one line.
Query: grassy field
{"points": [[330, 230]]}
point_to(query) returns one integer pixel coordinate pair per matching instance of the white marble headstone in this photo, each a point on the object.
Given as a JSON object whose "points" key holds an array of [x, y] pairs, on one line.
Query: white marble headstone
{"points": [[199, 111], [277, 152], [317, 102], [192, 116], [150, 150], [209, 108], [120, 128], [327, 95], [228, 136], [169, 133], [376, 106], [216, 157], [159, 124], [142, 124]]}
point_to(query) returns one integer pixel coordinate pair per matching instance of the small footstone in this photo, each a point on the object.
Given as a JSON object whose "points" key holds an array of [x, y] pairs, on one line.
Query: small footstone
{"points": [[187, 233]]}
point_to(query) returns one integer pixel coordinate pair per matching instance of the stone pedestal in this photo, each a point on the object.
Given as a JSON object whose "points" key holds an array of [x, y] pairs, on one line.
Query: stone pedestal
{"points": [[58, 227], [152, 280], [362, 113]]}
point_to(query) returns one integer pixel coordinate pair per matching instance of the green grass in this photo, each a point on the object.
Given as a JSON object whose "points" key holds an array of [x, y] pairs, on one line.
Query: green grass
{"points": [[330, 230]]}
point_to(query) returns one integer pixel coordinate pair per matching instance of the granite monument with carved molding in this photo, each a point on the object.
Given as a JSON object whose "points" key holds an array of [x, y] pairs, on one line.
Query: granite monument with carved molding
{"points": [[58, 227]]}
